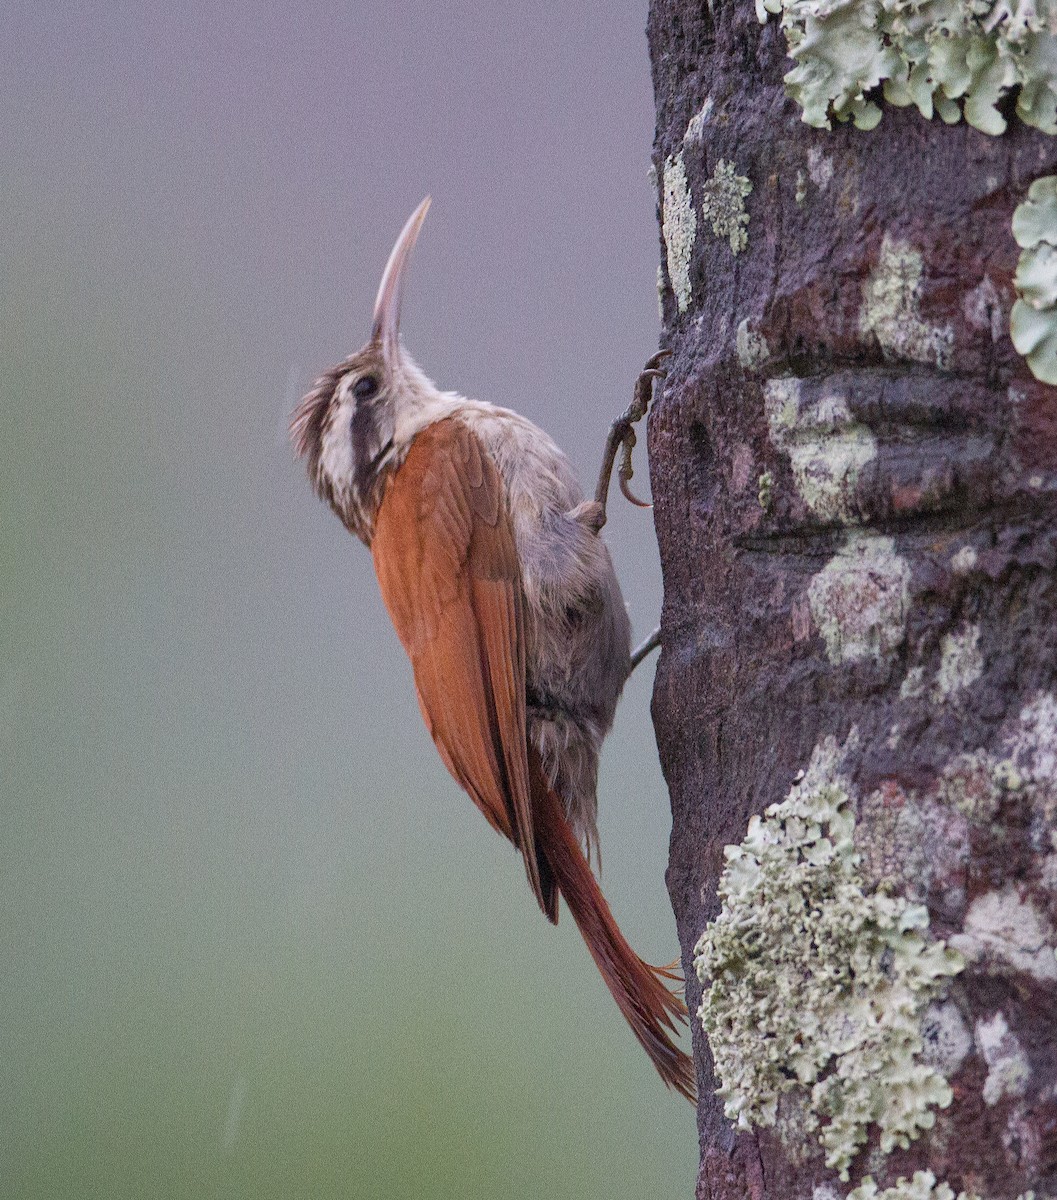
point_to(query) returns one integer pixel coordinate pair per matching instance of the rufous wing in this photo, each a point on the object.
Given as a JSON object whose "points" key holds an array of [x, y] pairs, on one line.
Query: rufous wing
{"points": [[447, 563]]}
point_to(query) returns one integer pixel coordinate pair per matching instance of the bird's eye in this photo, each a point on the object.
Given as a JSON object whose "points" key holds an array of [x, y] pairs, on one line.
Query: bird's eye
{"points": [[365, 387]]}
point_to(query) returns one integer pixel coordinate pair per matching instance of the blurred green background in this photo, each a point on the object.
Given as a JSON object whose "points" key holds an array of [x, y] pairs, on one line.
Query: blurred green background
{"points": [[254, 941]]}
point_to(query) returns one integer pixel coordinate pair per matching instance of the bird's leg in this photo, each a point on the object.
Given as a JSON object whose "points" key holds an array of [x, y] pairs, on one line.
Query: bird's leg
{"points": [[647, 648], [622, 437]]}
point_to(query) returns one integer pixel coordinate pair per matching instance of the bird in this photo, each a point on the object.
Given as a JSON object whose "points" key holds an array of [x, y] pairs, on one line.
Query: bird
{"points": [[501, 589]]}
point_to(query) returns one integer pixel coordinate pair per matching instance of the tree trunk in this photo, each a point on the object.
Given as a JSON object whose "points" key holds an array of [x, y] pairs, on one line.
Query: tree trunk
{"points": [[855, 485]]}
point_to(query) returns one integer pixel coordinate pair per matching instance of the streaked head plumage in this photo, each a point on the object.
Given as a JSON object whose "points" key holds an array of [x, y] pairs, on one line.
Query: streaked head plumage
{"points": [[344, 426]]}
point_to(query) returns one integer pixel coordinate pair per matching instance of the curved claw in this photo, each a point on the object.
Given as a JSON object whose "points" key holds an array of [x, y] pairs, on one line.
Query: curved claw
{"points": [[653, 363], [628, 444], [622, 433], [630, 495]]}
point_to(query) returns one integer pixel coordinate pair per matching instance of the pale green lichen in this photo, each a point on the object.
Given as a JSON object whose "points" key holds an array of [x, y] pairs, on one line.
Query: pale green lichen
{"points": [[913, 685], [679, 228], [952, 57], [891, 308], [1033, 321], [751, 346], [860, 599], [970, 785], [827, 448], [923, 1186], [817, 987], [765, 490], [961, 663], [894, 847], [723, 205]]}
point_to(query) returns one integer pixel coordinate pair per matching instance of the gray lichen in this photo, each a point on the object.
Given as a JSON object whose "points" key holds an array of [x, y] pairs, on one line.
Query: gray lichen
{"points": [[819, 167], [961, 663], [751, 346], [946, 1037], [679, 228], [723, 205], [1008, 1070], [1005, 930], [695, 129], [952, 57], [765, 490], [1033, 321], [817, 987], [964, 561], [913, 685], [893, 845], [861, 598], [973, 783], [1031, 746], [828, 449], [891, 308]]}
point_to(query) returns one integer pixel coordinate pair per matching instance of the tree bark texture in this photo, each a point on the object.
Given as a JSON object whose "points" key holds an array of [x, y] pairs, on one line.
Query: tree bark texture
{"points": [[855, 487]]}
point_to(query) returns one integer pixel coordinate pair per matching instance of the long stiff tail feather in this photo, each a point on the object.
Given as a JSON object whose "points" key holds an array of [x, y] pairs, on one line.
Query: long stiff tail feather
{"points": [[651, 1009]]}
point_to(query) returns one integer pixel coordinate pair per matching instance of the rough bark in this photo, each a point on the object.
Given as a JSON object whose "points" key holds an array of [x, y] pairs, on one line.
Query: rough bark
{"points": [[857, 518]]}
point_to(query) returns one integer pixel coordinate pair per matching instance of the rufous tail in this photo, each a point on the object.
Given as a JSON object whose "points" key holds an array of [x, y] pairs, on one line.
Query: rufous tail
{"points": [[652, 1010]]}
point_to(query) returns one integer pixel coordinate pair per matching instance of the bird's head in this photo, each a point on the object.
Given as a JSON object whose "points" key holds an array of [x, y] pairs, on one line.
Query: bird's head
{"points": [[348, 427]]}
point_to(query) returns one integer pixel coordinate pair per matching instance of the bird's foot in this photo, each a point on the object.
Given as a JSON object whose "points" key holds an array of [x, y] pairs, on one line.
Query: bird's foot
{"points": [[622, 435]]}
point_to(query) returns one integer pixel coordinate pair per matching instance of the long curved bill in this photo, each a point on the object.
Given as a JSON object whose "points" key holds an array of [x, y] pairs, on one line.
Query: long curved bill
{"points": [[387, 307]]}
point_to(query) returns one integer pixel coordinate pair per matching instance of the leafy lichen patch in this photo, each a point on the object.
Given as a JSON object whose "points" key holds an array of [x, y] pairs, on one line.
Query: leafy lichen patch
{"points": [[679, 228], [951, 57], [827, 448], [1033, 321], [891, 308], [1008, 1070], [923, 1186], [723, 205], [815, 986], [860, 599]]}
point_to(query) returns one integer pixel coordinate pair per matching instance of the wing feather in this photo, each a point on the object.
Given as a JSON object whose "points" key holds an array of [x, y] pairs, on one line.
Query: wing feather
{"points": [[447, 564]]}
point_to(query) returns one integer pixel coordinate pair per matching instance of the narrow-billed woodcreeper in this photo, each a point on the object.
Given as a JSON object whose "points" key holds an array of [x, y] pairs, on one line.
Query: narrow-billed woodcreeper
{"points": [[503, 594]]}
